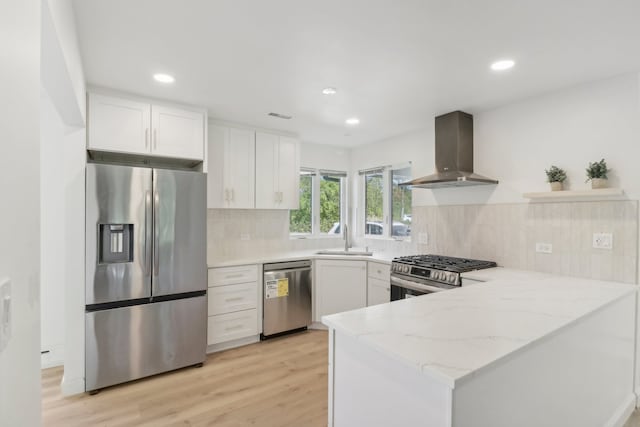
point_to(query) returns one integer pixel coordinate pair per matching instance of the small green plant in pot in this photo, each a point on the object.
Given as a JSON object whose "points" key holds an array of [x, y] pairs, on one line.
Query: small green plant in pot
{"points": [[597, 174], [556, 176]]}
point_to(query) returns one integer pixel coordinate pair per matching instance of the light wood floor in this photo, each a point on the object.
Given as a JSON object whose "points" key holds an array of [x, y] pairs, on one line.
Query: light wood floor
{"points": [[281, 382]]}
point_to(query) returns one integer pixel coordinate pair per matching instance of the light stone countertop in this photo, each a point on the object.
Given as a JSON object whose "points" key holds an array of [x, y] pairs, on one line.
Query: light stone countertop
{"points": [[504, 273], [452, 335], [383, 257]]}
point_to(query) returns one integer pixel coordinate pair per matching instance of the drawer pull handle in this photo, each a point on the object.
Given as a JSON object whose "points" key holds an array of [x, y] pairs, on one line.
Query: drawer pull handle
{"points": [[233, 299], [232, 328], [233, 276]]}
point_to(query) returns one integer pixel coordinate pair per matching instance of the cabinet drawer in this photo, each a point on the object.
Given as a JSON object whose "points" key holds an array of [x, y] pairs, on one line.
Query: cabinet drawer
{"points": [[379, 271], [231, 275], [232, 326], [230, 298]]}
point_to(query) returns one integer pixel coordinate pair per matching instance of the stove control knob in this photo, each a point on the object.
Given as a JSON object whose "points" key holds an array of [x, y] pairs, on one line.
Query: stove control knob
{"points": [[407, 269], [436, 275], [452, 278]]}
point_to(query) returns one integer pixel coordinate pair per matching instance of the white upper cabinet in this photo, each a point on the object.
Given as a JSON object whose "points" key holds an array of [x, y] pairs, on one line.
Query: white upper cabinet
{"points": [[231, 177], [118, 125], [122, 125], [277, 172], [177, 133]]}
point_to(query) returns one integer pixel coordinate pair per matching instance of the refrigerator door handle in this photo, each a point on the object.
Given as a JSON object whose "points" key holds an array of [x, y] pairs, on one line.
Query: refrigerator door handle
{"points": [[147, 234], [156, 234]]}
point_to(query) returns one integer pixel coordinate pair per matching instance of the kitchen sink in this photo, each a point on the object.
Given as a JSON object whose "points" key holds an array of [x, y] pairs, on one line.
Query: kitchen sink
{"points": [[342, 252]]}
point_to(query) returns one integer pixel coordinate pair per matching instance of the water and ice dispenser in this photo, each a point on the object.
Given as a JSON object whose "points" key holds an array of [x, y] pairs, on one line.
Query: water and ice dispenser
{"points": [[116, 243]]}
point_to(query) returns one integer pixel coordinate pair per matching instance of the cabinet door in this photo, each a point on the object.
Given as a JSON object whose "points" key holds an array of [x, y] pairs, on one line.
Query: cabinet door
{"points": [[241, 166], [177, 133], [266, 170], [217, 179], [340, 286], [289, 173], [378, 291], [118, 125]]}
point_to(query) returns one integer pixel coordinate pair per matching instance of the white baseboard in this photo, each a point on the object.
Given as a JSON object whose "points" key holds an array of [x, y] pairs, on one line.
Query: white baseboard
{"points": [[233, 344], [72, 386], [318, 325], [624, 411], [55, 357]]}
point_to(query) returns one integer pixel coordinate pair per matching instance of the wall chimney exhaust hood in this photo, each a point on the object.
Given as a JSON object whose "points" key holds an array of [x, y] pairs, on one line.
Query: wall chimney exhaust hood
{"points": [[454, 155]]}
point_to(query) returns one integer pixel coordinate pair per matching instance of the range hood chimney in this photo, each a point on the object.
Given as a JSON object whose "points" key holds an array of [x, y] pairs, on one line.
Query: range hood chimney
{"points": [[454, 154]]}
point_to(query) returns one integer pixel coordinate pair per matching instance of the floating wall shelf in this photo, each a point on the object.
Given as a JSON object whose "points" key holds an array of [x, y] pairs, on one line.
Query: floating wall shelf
{"points": [[601, 193]]}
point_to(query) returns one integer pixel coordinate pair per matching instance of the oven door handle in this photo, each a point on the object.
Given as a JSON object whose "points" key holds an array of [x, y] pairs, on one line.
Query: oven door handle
{"points": [[414, 286]]}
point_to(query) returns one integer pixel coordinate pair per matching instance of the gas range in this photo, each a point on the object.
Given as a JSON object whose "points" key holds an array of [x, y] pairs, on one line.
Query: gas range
{"points": [[432, 273]]}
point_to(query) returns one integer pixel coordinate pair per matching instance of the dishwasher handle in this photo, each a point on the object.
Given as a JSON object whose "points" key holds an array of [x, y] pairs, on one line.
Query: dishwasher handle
{"points": [[288, 270], [286, 266]]}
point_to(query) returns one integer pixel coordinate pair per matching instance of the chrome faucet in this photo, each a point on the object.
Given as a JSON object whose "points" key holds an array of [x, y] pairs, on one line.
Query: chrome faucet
{"points": [[346, 238]]}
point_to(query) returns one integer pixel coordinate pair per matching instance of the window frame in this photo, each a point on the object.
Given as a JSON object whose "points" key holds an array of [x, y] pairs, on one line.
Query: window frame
{"points": [[316, 177], [387, 190]]}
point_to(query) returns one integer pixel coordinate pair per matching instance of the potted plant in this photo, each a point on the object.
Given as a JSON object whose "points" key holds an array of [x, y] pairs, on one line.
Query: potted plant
{"points": [[597, 174], [556, 177]]}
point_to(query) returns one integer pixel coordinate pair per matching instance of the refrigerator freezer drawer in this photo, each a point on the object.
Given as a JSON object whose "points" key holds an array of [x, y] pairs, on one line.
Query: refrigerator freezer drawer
{"points": [[232, 326], [127, 343]]}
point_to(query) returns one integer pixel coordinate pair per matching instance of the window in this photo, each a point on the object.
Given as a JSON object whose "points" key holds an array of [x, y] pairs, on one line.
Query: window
{"points": [[322, 203], [374, 192], [300, 220], [387, 205], [400, 203]]}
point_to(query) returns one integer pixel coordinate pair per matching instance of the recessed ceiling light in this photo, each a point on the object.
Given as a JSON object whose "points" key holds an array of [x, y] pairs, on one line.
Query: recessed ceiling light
{"points": [[329, 91], [164, 78], [352, 121], [503, 64]]}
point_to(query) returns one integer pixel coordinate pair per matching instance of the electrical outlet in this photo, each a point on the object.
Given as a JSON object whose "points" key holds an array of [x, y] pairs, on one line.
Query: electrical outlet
{"points": [[423, 238], [603, 241], [5, 313], [245, 236], [544, 248]]}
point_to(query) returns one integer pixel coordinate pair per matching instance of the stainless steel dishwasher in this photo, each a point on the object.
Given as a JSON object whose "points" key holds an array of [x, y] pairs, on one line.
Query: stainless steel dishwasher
{"points": [[286, 297]]}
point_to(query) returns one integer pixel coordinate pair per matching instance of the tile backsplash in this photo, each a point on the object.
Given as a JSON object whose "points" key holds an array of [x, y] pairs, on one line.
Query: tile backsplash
{"points": [[508, 234], [246, 233], [505, 233]]}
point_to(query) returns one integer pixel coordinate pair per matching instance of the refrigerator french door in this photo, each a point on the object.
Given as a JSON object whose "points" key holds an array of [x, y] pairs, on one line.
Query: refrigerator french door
{"points": [[146, 277]]}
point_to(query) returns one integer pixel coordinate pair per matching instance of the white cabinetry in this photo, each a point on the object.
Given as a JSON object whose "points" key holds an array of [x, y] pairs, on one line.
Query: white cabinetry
{"points": [[378, 285], [233, 304], [231, 177], [121, 125], [277, 172], [177, 133], [340, 286]]}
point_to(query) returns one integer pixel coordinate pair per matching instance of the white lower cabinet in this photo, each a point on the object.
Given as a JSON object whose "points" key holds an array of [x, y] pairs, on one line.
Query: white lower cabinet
{"points": [[378, 291], [378, 283], [233, 304], [232, 326], [340, 286]]}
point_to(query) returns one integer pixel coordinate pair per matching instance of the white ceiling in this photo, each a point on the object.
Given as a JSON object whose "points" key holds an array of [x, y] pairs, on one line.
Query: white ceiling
{"points": [[396, 63]]}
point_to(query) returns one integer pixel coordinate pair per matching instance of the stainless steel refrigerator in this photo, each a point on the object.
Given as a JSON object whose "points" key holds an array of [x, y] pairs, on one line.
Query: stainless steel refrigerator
{"points": [[146, 273]]}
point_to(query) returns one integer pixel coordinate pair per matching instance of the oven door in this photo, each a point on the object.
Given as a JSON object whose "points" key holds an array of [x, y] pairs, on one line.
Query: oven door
{"points": [[403, 288]]}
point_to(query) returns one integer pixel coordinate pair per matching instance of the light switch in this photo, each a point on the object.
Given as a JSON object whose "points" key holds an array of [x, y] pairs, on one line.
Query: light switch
{"points": [[5, 313]]}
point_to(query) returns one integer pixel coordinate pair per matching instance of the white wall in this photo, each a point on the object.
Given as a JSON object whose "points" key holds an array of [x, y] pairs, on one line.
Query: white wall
{"points": [[63, 75], [63, 140], [320, 156], [515, 143], [20, 213], [52, 236]]}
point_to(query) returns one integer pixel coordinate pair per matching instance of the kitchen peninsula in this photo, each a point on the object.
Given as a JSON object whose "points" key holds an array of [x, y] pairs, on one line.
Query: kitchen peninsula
{"points": [[546, 351]]}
